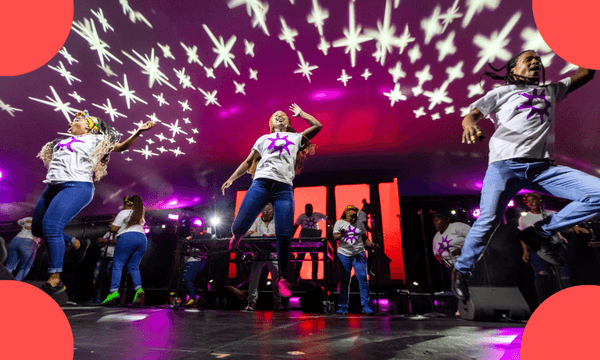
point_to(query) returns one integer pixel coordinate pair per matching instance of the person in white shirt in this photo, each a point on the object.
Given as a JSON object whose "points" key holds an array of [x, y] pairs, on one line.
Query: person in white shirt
{"points": [[520, 157], [274, 161], [104, 265], [449, 239], [309, 222], [22, 249], [73, 166], [351, 237], [131, 247], [264, 226]]}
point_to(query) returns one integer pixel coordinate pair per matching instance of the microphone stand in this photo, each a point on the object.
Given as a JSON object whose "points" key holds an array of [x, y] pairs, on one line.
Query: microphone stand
{"points": [[433, 314]]}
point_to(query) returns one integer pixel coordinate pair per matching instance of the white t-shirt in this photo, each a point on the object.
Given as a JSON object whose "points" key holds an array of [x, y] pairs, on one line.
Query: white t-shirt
{"points": [[71, 159], [529, 219], [453, 238], [278, 156], [351, 242], [524, 119], [310, 222], [362, 216], [110, 250], [123, 218], [261, 229]]}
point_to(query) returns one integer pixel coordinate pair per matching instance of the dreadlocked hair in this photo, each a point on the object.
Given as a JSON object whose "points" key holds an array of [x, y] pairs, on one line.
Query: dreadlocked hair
{"points": [[138, 210], [509, 78], [100, 156], [348, 208], [304, 151]]}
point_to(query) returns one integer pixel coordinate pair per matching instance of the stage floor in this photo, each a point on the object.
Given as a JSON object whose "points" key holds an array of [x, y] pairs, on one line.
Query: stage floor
{"points": [[156, 333]]}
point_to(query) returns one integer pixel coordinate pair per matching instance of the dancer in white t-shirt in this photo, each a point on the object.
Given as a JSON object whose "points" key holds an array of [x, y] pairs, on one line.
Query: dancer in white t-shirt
{"points": [[520, 157], [274, 161], [449, 239], [73, 166], [22, 250]]}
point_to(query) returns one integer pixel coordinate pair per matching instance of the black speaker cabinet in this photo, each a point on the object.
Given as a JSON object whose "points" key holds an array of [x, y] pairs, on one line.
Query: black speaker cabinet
{"points": [[494, 304]]}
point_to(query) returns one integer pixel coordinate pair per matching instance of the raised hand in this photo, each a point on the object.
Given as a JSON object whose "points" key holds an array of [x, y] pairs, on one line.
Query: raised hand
{"points": [[295, 109], [147, 126]]}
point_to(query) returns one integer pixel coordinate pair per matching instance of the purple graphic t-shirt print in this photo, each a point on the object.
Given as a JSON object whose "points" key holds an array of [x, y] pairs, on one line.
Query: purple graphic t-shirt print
{"points": [[273, 147], [351, 235], [62, 144], [444, 245], [529, 104], [310, 223]]}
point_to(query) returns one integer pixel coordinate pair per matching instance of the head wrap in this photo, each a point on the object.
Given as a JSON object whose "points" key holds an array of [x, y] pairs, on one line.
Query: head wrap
{"points": [[91, 121], [128, 201]]}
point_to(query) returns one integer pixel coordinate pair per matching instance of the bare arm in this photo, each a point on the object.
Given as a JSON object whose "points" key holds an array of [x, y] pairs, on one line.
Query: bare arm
{"points": [[127, 143], [581, 77], [315, 125], [337, 236], [471, 131], [241, 170], [295, 228]]}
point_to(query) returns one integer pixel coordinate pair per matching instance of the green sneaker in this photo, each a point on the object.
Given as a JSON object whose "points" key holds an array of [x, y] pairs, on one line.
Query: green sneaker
{"points": [[139, 297], [111, 298]]}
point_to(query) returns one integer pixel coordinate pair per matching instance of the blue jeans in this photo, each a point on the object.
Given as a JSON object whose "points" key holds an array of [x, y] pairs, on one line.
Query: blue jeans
{"points": [[359, 263], [192, 268], [548, 278], [130, 249], [21, 251], [99, 282], [58, 205], [261, 192], [504, 179]]}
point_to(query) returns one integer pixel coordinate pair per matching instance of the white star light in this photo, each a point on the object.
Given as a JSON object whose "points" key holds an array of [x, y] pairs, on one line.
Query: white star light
{"points": [[396, 4], [67, 56], [455, 72], [222, 50], [475, 89], [419, 112], [305, 68], [136, 15], [64, 72], [287, 34], [146, 152], [177, 152], [166, 49], [184, 105], [161, 99], [195, 131], [384, 34], [446, 47], [9, 109], [87, 30], [239, 88], [395, 95], [124, 91], [211, 98], [171, 141], [58, 104], [568, 67], [128, 159], [353, 37], [449, 110], [76, 96], [317, 16], [324, 45], [464, 111], [253, 74], [107, 70], [248, 48], [210, 72], [431, 26], [437, 96], [344, 78], [108, 109], [102, 20], [417, 90], [150, 67], [424, 75], [187, 120], [162, 149], [260, 12], [435, 116], [126, 7], [478, 6], [175, 128], [150, 141], [493, 47], [191, 53], [184, 80], [397, 72], [366, 74], [533, 40], [161, 137], [191, 140], [153, 117], [451, 14], [414, 54], [405, 39]]}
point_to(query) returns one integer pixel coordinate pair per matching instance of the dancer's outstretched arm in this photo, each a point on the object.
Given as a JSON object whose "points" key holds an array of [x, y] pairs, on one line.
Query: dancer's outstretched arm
{"points": [[241, 170], [581, 77], [127, 143], [315, 125], [471, 131]]}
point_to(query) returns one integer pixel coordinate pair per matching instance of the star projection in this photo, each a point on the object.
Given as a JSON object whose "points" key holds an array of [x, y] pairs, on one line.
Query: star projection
{"points": [[9, 109], [305, 68], [353, 37], [222, 50], [125, 91], [150, 67]]}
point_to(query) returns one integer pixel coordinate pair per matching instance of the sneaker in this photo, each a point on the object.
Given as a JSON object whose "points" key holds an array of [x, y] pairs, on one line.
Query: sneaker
{"points": [[251, 307], [284, 288], [233, 243], [541, 246], [53, 290], [460, 286], [343, 309], [367, 309], [138, 298], [111, 299], [278, 306], [191, 303]]}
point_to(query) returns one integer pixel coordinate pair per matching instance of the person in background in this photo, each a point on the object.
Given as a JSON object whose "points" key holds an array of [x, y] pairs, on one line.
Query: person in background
{"points": [[449, 239], [309, 222], [104, 265], [22, 250]]}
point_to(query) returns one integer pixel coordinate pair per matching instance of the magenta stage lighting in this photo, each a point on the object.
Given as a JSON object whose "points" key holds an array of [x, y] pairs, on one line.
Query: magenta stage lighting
{"points": [[197, 222], [173, 217], [295, 302], [476, 213], [511, 203], [146, 229], [1, 175]]}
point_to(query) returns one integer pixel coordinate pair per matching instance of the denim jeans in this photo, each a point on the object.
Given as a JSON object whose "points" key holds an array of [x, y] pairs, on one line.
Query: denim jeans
{"points": [[102, 277], [359, 263], [21, 251], [261, 192], [130, 249], [549, 278], [58, 205], [504, 179], [192, 268]]}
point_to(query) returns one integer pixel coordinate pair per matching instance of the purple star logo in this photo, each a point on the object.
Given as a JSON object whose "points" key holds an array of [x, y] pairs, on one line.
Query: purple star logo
{"points": [[280, 147], [310, 223], [72, 140], [444, 245], [529, 104], [351, 235]]}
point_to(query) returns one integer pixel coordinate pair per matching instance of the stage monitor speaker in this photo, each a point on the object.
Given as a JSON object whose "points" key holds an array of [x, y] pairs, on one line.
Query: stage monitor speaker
{"points": [[312, 300], [494, 304]]}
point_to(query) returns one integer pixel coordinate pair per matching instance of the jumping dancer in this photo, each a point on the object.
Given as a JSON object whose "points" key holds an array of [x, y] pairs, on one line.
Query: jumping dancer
{"points": [[520, 157], [274, 160], [73, 166]]}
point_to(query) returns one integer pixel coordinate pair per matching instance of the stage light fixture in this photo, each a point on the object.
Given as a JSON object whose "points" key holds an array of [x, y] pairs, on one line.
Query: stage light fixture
{"points": [[163, 226], [215, 221], [174, 217], [476, 213], [197, 222], [511, 203], [453, 212]]}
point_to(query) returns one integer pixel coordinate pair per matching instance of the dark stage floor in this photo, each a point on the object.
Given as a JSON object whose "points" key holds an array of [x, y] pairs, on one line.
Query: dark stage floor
{"points": [[153, 333]]}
